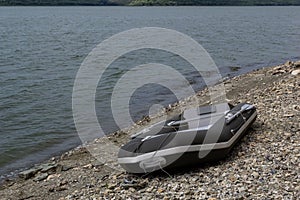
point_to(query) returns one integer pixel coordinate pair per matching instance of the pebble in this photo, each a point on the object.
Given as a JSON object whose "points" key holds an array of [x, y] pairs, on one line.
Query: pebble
{"points": [[111, 186], [88, 166], [53, 176], [296, 72], [255, 175]]}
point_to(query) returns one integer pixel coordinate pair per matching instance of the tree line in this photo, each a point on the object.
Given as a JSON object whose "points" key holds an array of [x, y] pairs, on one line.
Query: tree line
{"points": [[148, 2]]}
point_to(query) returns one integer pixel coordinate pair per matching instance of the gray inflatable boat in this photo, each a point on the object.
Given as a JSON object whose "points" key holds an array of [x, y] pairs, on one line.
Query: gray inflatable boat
{"points": [[196, 136]]}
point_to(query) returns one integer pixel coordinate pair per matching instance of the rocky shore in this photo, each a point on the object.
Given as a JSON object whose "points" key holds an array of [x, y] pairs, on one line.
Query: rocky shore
{"points": [[264, 165]]}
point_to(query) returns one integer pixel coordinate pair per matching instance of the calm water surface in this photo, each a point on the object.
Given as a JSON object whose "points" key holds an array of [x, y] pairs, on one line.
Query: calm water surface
{"points": [[41, 49]]}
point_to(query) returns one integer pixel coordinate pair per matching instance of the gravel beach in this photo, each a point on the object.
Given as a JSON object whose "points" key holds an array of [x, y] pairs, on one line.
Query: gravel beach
{"points": [[264, 165]]}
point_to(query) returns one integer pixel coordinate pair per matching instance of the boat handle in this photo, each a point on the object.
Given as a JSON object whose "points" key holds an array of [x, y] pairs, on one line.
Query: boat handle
{"points": [[229, 116]]}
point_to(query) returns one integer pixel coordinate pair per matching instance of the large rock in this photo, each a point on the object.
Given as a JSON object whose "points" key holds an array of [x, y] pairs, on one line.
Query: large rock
{"points": [[49, 167], [27, 174], [41, 177]]}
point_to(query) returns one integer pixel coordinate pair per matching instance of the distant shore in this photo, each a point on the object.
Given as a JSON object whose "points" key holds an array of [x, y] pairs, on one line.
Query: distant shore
{"points": [[154, 5], [264, 165], [148, 3]]}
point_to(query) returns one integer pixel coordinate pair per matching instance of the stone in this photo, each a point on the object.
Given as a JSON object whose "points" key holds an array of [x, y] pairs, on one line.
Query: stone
{"points": [[53, 159], [297, 64], [232, 178], [63, 182], [53, 176], [61, 188], [296, 72], [88, 166], [255, 174], [288, 63], [160, 190], [235, 68], [111, 186], [278, 72], [134, 184], [187, 192], [106, 192], [289, 115], [63, 168], [27, 174], [241, 189], [48, 167], [41, 177], [132, 190], [149, 189]]}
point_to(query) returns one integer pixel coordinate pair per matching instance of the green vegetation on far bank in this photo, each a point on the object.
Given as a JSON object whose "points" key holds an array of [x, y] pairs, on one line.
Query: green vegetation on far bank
{"points": [[149, 2], [214, 2], [63, 2]]}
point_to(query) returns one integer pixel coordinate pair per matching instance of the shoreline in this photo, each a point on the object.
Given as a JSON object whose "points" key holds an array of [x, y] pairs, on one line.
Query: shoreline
{"points": [[11, 170], [269, 89]]}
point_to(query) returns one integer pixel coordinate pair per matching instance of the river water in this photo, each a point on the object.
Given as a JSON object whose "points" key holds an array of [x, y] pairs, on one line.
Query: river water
{"points": [[42, 48]]}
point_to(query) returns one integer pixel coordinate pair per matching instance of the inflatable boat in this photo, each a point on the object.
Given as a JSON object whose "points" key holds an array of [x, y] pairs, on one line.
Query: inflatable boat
{"points": [[195, 136]]}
